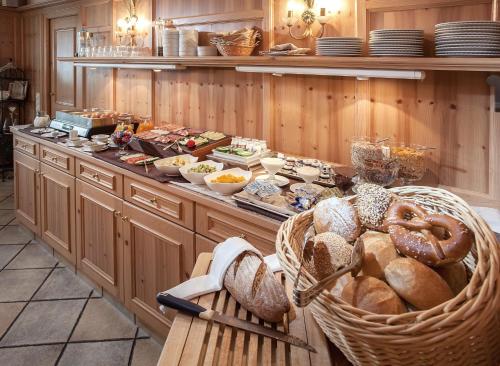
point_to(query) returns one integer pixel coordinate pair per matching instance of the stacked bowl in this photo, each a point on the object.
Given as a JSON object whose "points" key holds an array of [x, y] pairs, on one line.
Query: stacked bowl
{"points": [[339, 46], [188, 42], [397, 42], [468, 38], [170, 42]]}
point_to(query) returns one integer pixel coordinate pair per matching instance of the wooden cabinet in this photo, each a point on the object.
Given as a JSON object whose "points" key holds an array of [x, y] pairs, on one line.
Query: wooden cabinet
{"points": [[161, 202], [99, 176], [219, 225], [57, 208], [26, 146], [57, 159], [27, 191], [158, 256], [203, 245], [99, 237]]}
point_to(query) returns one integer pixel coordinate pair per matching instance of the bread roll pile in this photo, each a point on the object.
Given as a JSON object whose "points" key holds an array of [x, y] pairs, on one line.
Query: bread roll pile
{"points": [[412, 260]]}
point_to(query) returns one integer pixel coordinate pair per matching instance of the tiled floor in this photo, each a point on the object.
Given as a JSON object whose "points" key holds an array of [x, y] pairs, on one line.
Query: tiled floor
{"points": [[49, 316]]}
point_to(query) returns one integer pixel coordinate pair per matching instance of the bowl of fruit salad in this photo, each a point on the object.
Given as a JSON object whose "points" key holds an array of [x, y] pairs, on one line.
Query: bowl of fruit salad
{"points": [[227, 182], [171, 165], [195, 172]]}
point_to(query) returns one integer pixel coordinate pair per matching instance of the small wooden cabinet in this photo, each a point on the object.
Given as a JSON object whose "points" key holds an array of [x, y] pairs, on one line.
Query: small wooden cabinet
{"points": [[203, 245], [27, 191], [99, 237], [158, 255], [57, 208]]}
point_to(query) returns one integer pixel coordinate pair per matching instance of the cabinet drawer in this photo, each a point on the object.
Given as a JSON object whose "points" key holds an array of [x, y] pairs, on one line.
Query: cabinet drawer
{"points": [[57, 159], [26, 146], [160, 202], [100, 177], [219, 225], [203, 245]]}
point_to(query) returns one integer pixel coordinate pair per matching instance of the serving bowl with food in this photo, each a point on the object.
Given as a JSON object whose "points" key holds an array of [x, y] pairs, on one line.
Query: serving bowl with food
{"points": [[227, 182], [171, 165], [194, 173]]}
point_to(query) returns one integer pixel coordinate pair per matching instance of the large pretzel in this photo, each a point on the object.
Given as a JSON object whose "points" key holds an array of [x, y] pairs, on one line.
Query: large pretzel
{"points": [[412, 230]]}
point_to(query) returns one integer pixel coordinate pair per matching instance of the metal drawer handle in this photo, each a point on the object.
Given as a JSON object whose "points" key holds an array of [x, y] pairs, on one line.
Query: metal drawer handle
{"points": [[118, 214], [54, 159], [153, 200], [96, 176], [125, 218]]}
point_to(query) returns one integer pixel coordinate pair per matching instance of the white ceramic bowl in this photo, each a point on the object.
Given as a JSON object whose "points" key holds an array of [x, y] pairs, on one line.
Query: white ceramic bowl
{"points": [[100, 138], [228, 188], [197, 178], [165, 165], [94, 146]]}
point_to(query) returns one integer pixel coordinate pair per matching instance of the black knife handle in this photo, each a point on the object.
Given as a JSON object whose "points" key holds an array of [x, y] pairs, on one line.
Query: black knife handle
{"points": [[182, 305]]}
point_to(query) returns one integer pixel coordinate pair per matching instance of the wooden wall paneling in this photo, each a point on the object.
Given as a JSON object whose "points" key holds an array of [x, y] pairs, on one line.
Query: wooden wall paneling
{"points": [[97, 14], [98, 86], [494, 149], [133, 91], [191, 8], [218, 99], [9, 37]]}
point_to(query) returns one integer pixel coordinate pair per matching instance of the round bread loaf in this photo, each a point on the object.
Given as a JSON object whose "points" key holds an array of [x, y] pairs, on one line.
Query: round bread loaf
{"points": [[329, 253], [416, 283], [379, 252], [455, 276], [339, 284], [338, 216], [371, 294], [372, 203]]}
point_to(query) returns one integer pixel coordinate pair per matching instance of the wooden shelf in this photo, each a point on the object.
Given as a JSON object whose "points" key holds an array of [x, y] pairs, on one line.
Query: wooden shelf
{"points": [[385, 63]]}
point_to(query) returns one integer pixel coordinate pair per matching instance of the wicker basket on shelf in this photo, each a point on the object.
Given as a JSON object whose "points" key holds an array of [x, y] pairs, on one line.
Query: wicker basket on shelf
{"points": [[228, 48], [462, 331]]}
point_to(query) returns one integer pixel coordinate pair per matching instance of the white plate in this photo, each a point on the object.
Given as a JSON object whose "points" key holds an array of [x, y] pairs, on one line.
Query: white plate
{"points": [[280, 181], [87, 149], [398, 31], [42, 130], [59, 134], [316, 187]]}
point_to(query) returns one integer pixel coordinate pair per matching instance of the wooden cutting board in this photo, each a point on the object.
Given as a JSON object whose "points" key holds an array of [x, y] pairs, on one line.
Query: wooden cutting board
{"points": [[193, 341]]}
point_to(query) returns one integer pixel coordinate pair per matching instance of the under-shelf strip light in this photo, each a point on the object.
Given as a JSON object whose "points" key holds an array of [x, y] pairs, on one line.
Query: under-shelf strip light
{"points": [[131, 66], [361, 74]]}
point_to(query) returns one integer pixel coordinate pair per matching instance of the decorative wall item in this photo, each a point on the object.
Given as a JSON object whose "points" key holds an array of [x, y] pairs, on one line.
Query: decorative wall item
{"points": [[309, 11], [131, 31]]}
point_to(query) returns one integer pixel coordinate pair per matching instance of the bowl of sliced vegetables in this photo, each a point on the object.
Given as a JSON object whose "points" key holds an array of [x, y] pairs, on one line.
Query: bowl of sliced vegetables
{"points": [[227, 182], [171, 165], [195, 172]]}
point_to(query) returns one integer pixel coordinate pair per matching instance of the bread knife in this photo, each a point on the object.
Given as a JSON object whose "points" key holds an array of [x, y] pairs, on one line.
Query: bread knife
{"points": [[190, 308]]}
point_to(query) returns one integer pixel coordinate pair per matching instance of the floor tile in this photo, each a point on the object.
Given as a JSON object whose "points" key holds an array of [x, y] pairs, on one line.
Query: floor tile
{"points": [[63, 284], [146, 353], [114, 353], [20, 285], [27, 356], [101, 320], [7, 252], [7, 203], [15, 235], [8, 313], [7, 216], [33, 256], [44, 322]]}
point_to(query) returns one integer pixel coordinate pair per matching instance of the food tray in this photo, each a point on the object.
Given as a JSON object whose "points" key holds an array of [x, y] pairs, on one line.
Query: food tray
{"points": [[243, 200]]}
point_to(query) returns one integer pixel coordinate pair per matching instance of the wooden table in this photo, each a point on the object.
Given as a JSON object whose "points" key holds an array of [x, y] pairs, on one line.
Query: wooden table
{"points": [[193, 341]]}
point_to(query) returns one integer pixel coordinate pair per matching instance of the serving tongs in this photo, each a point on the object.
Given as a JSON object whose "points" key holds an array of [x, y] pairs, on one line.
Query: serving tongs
{"points": [[302, 298]]}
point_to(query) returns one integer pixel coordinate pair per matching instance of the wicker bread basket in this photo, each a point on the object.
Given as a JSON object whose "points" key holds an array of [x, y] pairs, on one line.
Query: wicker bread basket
{"points": [[233, 49], [462, 331]]}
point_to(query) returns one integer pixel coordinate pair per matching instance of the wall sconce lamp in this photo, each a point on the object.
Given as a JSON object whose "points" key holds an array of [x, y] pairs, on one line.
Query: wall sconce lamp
{"points": [[130, 27], [309, 15]]}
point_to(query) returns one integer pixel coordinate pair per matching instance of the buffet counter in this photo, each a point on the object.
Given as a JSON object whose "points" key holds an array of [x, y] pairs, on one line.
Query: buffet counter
{"points": [[109, 222]]}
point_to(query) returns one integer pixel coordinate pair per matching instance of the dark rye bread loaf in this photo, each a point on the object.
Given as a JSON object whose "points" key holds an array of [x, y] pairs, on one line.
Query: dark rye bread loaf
{"points": [[254, 286]]}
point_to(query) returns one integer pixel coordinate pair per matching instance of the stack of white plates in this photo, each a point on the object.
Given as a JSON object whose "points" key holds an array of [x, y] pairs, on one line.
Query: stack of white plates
{"points": [[170, 42], [188, 42], [397, 42], [339, 46], [469, 38]]}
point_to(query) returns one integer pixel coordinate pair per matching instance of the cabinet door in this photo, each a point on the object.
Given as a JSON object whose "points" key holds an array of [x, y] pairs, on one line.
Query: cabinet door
{"points": [[98, 238], [158, 255], [27, 191], [57, 195]]}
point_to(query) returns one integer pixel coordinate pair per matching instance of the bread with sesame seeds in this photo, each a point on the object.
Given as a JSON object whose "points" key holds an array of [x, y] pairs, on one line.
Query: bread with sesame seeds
{"points": [[372, 203]]}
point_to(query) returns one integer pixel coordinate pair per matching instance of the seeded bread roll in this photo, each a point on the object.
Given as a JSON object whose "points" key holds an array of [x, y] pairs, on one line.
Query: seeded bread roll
{"points": [[338, 216], [371, 294], [379, 252], [416, 283], [328, 252], [455, 276], [254, 286], [372, 203]]}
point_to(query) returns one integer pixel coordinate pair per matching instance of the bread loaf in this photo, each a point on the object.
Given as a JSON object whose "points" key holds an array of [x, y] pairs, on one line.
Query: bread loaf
{"points": [[328, 253], [338, 216], [455, 276], [254, 286], [379, 252], [416, 283], [371, 294]]}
